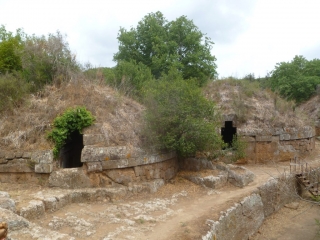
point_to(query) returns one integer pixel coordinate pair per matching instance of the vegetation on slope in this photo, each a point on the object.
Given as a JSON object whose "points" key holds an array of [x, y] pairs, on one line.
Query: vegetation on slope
{"points": [[164, 65], [296, 80], [179, 117], [255, 108], [159, 63]]}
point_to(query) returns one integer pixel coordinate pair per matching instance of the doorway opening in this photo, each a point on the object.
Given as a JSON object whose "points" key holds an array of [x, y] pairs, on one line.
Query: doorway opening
{"points": [[227, 132], [70, 153]]}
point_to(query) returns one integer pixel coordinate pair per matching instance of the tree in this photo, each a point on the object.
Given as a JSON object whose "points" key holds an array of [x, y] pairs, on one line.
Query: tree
{"points": [[296, 80], [131, 76], [179, 117], [47, 59], [162, 45], [10, 47]]}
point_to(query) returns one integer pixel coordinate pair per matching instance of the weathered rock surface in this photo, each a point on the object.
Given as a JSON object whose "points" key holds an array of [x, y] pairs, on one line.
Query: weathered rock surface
{"points": [[69, 178], [238, 222], [213, 182], [149, 187], [34, 210], [196, 164], [276, 193], [6, 202], [14, 221], [239, 176], [21, 228], [244, 219]]}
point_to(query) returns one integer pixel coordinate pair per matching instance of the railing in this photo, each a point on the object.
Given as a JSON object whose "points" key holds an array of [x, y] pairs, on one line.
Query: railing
{"points": [[306, 175]]}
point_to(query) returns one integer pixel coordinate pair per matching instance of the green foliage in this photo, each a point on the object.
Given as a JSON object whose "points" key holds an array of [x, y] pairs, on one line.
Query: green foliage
{"points": [[179, 117], [27, 63], [40, 60], [10, 47], [318, 228], [74, 119], [12, 91], [131, 76], [161, 45], [296, 80], [47, 60], [239, 146]]}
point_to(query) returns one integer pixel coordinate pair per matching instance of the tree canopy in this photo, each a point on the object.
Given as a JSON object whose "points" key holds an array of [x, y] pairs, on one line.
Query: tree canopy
{"points": [[296, 80], [38, 60], [162, 45], [10, 45]]}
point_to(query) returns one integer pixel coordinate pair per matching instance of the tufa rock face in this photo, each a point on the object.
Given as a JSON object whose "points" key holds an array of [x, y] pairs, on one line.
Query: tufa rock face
{"points": [[6, 202], [239, 176], [69, 178], [238, 222], [34, 210]]}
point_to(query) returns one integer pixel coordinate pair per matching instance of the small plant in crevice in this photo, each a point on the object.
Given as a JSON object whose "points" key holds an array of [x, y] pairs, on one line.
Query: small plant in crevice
{"points": [[239, 146], [31, 164], [73, 119], [318, 228]]}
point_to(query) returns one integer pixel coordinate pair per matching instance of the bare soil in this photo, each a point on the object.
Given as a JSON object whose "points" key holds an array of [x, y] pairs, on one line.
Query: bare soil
{"points": [[179, 211]]}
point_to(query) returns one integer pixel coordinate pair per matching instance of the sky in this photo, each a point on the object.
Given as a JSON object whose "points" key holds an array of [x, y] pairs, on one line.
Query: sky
{"points": [[250, 36]]}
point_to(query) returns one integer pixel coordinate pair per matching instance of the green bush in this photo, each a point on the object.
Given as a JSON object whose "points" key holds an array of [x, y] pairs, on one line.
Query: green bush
{"points": [[47, 60], [239, 146], [10, 48], [179, 117], [296, 80], [130, 77], [74, 119]]}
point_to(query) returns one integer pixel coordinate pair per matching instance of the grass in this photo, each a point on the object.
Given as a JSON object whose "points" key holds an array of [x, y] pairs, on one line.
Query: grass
{"points": [[25, 126], [252, 104]]}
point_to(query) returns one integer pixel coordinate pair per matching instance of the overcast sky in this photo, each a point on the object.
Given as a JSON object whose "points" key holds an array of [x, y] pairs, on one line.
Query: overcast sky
{"points": [[250, 36]]}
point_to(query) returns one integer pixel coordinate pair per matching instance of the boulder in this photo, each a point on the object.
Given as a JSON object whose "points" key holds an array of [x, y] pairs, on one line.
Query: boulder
{"points": [[69, 178]]}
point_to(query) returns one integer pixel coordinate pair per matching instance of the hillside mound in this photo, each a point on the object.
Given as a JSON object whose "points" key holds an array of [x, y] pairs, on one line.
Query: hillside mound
{"points": [[311, 108], [255, 109], [117, 116]]}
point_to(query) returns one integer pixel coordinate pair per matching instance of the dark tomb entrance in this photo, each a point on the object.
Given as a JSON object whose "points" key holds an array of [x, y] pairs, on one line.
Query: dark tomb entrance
{"points": [[70, 153], [227, 132]]}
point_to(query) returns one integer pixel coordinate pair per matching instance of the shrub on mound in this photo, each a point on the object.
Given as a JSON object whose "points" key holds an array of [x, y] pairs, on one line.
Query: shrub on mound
{"points": [[73, 119]]}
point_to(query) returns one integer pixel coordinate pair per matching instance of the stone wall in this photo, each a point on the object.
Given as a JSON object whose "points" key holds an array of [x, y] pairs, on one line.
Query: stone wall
{"points": [[165, 170], [244, 219], [102, 166], [280, 144], [317, 127], [26, 162]]}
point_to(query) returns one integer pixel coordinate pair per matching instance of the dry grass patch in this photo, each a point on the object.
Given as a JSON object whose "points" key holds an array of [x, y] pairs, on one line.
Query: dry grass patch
{"points": [[253, 106], [25, 128]]}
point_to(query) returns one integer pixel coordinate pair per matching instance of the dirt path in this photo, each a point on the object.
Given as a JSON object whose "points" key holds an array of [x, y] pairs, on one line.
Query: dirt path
{"points": [[179, 211], [190, 222], [292, 224]]}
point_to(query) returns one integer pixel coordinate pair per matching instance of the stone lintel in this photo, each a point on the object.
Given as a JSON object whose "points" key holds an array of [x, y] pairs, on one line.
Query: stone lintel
{"points": [[45, 156], [92, 139], [285, 137], [94, 166], [266, 138], [43, 168], [101, 154], [132, 162], [16, 166]]}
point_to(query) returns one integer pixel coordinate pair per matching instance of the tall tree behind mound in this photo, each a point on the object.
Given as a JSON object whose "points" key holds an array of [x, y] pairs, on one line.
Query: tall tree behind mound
{"points": [[296, 80], [162, 45]]}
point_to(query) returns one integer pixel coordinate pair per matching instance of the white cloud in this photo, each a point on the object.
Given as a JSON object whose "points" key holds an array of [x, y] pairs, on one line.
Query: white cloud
{"points": [[250, 36]]}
